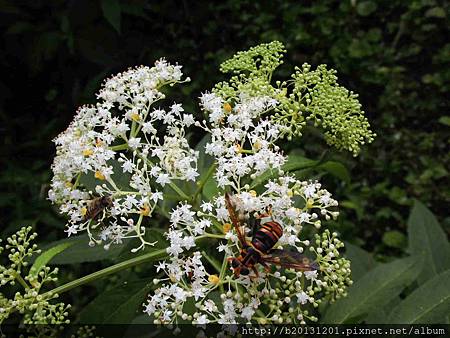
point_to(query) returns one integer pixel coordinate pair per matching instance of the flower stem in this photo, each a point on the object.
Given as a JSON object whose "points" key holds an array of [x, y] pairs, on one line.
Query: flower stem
{"points": [[203, 181], [22, 281], [151, 256], [208, 235], [77, 181], [178, 191], [122, 146]]}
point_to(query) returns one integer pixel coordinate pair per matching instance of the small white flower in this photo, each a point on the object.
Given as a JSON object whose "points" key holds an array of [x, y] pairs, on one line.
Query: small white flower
{"points": [[163, 179], [188, 120], [302, 297], [134, 142]]}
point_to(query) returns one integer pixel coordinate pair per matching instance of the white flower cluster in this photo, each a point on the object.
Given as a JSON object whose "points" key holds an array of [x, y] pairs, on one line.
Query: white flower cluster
{"points": [[112, 167], [125, 149], [234, 128], [200, 286], [35, 305], [219, 296]]}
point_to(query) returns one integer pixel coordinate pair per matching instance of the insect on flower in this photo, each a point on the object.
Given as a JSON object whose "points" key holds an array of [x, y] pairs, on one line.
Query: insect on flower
{"points": [[260, 249], [96, 206]]}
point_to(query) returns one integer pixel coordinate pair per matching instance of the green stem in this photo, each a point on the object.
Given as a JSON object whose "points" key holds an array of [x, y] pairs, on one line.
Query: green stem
{"points": [[77, 181], [120, 193], [133, 129], [178, 191], [203, 181], [122, 146], [223, 271], [224, 267], [22, 281], [208, 235], [138, 225], [151, 256]]}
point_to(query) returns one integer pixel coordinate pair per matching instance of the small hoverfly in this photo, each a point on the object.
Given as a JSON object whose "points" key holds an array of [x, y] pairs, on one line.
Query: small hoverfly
{"points": [[96, 206], [260, 249]]}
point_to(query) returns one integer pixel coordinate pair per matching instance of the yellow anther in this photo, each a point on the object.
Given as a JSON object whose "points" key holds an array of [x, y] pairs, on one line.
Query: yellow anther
{"points": [[69, 184], [145, 211], [87, 152], [257, 145], [99, 175], [226, 227], [227, 107], [173, 278], [214, 279], [135, 117], [290, 193], [253, 193], [309, 203], [238, 148], [83, 211]]}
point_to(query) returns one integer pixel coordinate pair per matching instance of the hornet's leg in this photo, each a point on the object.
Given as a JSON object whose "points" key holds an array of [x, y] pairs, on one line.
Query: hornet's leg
{"points": [[255, 270]]}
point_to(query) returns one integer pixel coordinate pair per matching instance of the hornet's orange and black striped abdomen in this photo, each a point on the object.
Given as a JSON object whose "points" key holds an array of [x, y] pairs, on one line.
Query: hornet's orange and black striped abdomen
{"points": [[267, 236]]}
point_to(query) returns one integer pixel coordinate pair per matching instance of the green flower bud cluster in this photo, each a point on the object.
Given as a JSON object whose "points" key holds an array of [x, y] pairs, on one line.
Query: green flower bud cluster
{"points": [[35, 307], [311, 95], [253, 69], [317, 94], [260, 60], [85, 332], [336, 269]]}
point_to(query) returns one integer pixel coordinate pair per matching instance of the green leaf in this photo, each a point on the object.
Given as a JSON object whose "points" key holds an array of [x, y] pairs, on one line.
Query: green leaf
{"points": [[380, 315], [354, 204], [294, 163], [139, 320], [112, 12], [79, 251], [366, 8], [436, 12], [361, 261], [427, 239], [395, 239], [429, 304], [445, 120], [204, 160], [298, 162], [47, 255], [336, 169], [374, 290], [210, 189], [119, 305]]}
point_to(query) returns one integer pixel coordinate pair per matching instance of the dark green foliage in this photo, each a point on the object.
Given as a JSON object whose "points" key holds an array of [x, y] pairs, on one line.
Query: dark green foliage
{"points": [[421, 280]]}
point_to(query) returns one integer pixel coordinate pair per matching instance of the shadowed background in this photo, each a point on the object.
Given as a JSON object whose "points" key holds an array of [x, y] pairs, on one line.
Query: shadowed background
{"points": [[395, 54]]}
